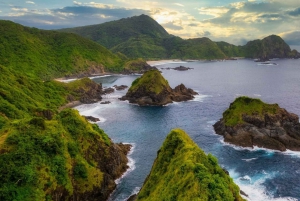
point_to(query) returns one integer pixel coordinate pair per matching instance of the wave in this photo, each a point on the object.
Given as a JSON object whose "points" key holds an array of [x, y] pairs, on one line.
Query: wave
{"points": [[254, 188], [267, 64], [131, 163], [135, 191], [249, 159], [201, 97], [256, 148], [98, 76], [91, 110]]}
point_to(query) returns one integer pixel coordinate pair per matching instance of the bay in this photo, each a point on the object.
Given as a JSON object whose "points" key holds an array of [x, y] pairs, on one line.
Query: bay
{"points": [[262, 174]]}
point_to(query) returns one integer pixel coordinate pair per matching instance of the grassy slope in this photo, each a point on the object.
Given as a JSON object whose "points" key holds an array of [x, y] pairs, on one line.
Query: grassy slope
{"points": [[43, 158], [151, 81], [51, 54], [182, 171], [245, 105], [199, 48], [116, 32]]}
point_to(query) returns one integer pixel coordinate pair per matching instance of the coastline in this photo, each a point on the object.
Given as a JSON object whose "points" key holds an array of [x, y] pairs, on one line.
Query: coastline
{"points": [[72, 78], [162, 62]]}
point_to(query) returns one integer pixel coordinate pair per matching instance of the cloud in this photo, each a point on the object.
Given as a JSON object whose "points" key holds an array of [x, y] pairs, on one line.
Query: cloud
{"points": [[178, 4], [295, 12], [30, 2], [291, 38], [80, 14], [213, 11], [171, 25]]}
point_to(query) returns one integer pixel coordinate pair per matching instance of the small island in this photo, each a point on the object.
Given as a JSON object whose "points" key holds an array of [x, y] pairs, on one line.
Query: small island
{"points": [[153, 89], [250, 122]]}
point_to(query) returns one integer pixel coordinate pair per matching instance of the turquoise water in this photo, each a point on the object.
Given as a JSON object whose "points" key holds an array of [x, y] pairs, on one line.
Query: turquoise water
{"points": [[262, 174]]}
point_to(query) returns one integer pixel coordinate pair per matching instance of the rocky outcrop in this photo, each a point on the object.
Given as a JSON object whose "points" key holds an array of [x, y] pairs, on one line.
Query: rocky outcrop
{"points": [[121, 87], [153, 89], [182, 171], [180, 68], [273, 129], [91, 118]]}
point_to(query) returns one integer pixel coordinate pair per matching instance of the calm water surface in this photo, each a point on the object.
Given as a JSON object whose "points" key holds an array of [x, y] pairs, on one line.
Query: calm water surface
{"points": [[262, 174]]}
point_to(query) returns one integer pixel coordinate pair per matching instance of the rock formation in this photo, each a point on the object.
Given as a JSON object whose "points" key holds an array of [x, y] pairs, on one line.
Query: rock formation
{"points": [[250, 122], [153, 89], [182, 171]]}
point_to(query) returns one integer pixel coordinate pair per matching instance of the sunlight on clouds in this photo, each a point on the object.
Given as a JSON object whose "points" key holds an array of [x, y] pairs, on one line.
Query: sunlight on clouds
{"points": [[244, 17], [102, 16], [138, 4], [94, 4], [216, 12], [178, 4], [239, 5], [30, 2], [20, 9]]}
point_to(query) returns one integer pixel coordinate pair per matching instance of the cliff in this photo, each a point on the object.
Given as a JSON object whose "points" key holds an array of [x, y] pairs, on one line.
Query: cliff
{"points": [[182, 171], [48, 154], [153, 89], [250, 122]]}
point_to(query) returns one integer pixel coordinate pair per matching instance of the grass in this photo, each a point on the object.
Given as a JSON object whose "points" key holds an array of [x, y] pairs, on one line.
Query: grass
{"points": [[245, 105], [182, 171], [151, 82]]}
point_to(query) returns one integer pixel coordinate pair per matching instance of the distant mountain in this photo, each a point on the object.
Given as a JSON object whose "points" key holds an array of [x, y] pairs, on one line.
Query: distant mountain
{"points": [[270, 47], [142, 37], [51, 54]]}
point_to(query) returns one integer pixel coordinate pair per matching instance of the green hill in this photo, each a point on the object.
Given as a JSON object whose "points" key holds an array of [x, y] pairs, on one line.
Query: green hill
{"points": [[198, 48], [49, 54], [182, 171], [142, 37], [270, 47], [50, 155]]}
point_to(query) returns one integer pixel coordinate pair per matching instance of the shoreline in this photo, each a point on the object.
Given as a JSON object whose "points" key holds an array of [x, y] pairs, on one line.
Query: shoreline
{"points": [[72, 78], [162, 62]]}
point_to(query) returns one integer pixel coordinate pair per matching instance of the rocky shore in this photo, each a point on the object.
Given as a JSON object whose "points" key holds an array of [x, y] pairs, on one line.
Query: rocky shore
{"points": [[250, 122], [153, 89]]}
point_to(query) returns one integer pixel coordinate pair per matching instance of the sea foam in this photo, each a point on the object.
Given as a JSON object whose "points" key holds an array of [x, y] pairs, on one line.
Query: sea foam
{"points": [[253, 186], [131, 163]]}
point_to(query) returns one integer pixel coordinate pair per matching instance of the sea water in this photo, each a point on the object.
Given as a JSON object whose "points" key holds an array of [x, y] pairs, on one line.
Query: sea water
{"points": [[262, 174]]}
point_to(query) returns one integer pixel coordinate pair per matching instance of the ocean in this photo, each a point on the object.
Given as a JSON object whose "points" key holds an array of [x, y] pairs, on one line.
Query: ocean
{"points": [[262, 174]]}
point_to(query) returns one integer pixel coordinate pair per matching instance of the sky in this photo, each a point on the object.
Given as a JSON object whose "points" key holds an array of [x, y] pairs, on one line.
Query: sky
{"points": [[233, 21]]}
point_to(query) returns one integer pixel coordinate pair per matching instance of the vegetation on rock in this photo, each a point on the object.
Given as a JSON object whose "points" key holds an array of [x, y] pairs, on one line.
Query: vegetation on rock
{"points": [[47, 153], [182, 171], [247, 106], [250, 122], [153, 89]]}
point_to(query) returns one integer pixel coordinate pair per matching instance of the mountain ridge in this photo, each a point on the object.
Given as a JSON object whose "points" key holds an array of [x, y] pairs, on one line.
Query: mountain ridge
{"points": [[144, 43]]}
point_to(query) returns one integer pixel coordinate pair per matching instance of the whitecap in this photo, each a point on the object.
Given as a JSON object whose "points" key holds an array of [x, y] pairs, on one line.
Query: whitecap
{"points": [[254, 187], [200, 97], [292, 153], [131, 163], [249, 159], [254, 149], [245, 178], [135, 191], [98, 76], [258, 95]]}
